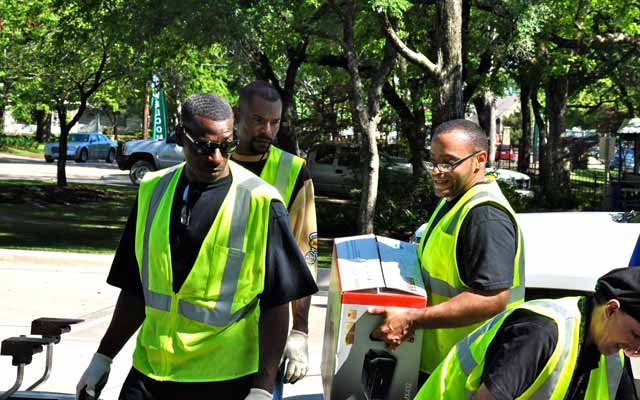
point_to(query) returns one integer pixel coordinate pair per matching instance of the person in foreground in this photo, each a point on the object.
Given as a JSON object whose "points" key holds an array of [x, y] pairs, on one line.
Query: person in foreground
{"points": [[570, 348], [258, 119], [471, 254], [201, 272]]}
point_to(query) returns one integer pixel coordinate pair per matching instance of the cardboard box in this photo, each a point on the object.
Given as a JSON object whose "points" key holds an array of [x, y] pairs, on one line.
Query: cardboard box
{"points": [[369, 270]]}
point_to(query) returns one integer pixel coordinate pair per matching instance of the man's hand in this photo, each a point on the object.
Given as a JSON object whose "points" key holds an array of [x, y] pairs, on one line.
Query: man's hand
{"points": [[95, 377], [258, 394], [396, 327], [297, 355]]}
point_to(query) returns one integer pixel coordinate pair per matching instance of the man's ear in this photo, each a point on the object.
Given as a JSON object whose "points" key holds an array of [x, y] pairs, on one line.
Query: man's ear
{"points": [[482, 157], [611, 308]]}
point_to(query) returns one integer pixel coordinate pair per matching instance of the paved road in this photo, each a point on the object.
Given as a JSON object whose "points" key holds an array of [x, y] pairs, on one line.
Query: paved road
{"points": [[68, 285], [98, 172]]}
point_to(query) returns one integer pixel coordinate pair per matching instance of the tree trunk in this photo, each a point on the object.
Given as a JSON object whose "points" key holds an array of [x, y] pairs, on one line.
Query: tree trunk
{"points": [[62, 149], [145, 114], [287, 139], [417, 145], [524, 147], [43, 125], [363, 126], [448, 102], [556, 92], [485, 108], [412, 126], [114, 126], [2, 107], [544, 168]]}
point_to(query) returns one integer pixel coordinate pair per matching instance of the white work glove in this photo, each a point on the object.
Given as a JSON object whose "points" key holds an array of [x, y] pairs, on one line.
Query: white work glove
{"points": [[95, 377], [297, 354], [258, 394]]}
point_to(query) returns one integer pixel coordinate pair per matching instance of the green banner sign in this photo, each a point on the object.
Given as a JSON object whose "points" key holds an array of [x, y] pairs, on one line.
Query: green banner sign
{"points": [[158, 110]]}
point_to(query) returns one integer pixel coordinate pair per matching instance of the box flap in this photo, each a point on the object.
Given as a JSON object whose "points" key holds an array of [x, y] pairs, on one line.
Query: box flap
{"points": [[358, 263], [400, 266]]}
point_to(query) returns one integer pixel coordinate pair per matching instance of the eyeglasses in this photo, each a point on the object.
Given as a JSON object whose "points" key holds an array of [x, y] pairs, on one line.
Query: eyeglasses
{"points": [[448, 167], [208, 147]]}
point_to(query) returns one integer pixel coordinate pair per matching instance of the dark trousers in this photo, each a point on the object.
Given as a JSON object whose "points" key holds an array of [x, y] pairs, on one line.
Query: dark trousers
{"points": [[138, 386]]}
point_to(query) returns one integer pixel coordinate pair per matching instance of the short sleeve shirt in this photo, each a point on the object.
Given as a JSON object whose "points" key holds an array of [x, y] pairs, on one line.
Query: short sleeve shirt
{"points": [[522, 347], [486, 246], [191, 218]]}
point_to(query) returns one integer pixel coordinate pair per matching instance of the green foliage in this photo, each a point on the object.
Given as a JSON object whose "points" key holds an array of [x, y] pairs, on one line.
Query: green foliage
{"points": [[403, 205], [21, 142], [392, 7], [518, 202]]}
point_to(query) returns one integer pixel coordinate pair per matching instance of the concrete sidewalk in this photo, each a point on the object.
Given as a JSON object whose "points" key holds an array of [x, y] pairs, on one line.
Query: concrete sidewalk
{"points": [[67, 285]]}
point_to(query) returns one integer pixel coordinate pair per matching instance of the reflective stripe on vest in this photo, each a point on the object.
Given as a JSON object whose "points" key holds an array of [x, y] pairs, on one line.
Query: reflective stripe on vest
{"points": [[614, 373], [282, 176], [546, 390], [281, 171], [440, 268], [459, 376], [221, 315]]}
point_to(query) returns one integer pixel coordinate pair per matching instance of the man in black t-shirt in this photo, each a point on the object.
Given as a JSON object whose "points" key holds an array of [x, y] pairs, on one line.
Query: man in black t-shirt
{"points": [[187, 264], [470, 253], [565, 348]]}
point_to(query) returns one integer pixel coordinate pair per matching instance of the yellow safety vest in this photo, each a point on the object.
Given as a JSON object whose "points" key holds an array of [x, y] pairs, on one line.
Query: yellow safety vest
{"points": [[459, 375], [208, 331], [281, 170], [440, 267]]}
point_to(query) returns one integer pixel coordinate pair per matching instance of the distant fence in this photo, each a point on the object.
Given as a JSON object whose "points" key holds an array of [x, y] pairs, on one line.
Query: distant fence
{"points": [[588, 188]]}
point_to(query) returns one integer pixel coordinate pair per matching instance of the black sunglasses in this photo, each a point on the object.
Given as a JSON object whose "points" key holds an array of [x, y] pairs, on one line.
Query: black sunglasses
{"points": [[208, 147]]}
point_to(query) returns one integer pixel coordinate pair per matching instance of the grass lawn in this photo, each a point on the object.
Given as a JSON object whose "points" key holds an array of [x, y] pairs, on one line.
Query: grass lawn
{"points": [[592, 175], [79, 218], [325, 250], [32, 153]]}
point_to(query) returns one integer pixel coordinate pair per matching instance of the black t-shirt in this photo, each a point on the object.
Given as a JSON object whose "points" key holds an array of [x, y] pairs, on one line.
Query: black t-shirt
{"points": [[526, 339], [257, 166], [287, 277], [486, 246]]}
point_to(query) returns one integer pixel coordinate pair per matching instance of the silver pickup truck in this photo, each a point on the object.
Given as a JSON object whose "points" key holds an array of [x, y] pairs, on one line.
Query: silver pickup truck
{"points": [[142, 156]]}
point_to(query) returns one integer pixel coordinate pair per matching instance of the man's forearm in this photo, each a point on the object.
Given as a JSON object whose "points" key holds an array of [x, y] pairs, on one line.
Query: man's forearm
{"points": [[127, 318], [300, 311], [274, 323], [464, 309]]}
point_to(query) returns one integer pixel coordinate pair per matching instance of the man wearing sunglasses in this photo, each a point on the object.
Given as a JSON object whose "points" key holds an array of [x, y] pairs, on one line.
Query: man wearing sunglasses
{"points": [[471, 253], [572, 348], [258, 115], [199, 267]]}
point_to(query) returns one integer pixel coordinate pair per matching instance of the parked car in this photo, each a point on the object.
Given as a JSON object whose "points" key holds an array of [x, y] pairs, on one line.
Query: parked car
{"points": [[517, 180], [626, 159], [334, 167], [566, 252], [142, 156], [83, 147], [505, 152]]}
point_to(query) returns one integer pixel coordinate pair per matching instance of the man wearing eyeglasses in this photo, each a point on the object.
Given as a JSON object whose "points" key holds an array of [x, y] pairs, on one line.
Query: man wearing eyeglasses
{"points": [[471, 253], [258, 118], [200, 273]]}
